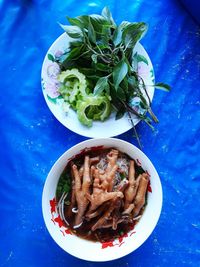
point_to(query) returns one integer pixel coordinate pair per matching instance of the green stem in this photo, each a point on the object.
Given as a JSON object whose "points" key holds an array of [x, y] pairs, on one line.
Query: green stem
{"points": [[153, 115], [149, 124], [130, 109], [99, 55], [145, 89], [135, 132]]}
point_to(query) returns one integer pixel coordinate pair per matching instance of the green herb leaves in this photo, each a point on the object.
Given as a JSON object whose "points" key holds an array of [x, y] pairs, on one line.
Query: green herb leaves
{"points": [[162, 86], [141, 58], [119, 72], [101, 85], [129, 34], [51, 57], [64, 184], [133, 33], [108, 16], [103, 52], [72, 31], [91, 32]]}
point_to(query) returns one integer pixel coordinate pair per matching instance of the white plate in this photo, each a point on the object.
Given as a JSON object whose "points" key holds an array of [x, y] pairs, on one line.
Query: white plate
{"points": [[108, 128]]}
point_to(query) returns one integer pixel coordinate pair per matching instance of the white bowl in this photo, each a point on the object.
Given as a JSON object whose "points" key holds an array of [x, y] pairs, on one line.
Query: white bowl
{"points": [[96, 251]]}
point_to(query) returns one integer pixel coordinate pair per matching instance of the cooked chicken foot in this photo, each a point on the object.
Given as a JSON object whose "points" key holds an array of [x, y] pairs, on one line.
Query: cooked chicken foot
{"points": [[100, 195], [81, 190], [131, 190], [141, 192]]}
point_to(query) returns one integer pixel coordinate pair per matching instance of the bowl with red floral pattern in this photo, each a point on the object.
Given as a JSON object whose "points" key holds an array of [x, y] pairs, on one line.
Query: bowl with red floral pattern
{"points": [[102, 199]]}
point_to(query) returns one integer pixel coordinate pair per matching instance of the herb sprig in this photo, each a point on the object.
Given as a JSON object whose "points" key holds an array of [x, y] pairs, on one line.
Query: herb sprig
{"points": [[103, 52]]}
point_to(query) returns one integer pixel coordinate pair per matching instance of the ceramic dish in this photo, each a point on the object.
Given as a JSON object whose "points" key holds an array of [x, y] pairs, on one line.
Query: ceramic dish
{"points": [[126, 243], [50, 71]]}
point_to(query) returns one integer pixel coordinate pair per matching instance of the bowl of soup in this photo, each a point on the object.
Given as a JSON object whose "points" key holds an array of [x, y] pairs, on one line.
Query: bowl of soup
{"points": [[102, 199]]}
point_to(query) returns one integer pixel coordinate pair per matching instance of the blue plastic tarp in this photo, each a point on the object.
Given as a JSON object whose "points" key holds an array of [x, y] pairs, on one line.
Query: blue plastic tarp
{"points": [[31, 139]]}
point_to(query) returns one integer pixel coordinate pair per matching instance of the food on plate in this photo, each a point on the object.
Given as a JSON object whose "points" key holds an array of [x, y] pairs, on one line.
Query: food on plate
{"points": [[75, 91], [99, 69], [101, 194]]}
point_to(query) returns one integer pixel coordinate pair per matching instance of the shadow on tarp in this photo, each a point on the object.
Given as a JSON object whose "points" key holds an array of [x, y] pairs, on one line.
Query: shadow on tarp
{"points": [[193, 7]]}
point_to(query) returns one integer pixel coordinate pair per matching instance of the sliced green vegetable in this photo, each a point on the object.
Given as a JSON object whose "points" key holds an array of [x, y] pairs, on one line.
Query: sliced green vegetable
{"points": [[72, 83], [93, 108]]}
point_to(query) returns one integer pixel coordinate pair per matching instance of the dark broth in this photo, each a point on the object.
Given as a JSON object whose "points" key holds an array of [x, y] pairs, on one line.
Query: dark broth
{"points": [[84, 231]]}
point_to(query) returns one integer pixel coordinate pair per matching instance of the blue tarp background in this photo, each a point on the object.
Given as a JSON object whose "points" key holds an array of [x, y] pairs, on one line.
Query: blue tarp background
{"points": [[31, 139]]}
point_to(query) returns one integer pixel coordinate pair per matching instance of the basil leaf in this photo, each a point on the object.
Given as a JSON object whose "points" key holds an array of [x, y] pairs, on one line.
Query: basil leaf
{"points": [[120, 113], [134, 62], [72, 31], [98, 21], [132, 87], [101, 85], [75, 43], [115, 100], [50, 57], [144, 101], [67, 64], [124, 84], [84, 20], [105, 35], [86, 71], [162, 86], [107, 15], [133, 33], [117, 36], [103, 46], [120, 93], [94, 58], [141, 58], [75, 22], [128, 64], [91, 33], [132, 81], [75, 53], [119, 72], [102, 67]]}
